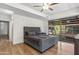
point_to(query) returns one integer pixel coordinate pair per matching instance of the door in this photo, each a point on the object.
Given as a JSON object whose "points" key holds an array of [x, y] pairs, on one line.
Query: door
{"points": [[4, 29]]}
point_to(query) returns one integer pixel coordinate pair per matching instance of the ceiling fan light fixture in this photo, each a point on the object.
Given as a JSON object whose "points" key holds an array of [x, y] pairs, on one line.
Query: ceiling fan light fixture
{"points": [[45, 7]]}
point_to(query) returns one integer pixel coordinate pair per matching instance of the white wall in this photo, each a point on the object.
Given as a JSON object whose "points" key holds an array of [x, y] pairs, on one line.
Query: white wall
{"points": [[20, 21], [4, 16]]}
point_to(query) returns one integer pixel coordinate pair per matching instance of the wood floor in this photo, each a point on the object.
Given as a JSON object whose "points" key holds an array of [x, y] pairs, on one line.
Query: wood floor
{"points": [[6, 48]]}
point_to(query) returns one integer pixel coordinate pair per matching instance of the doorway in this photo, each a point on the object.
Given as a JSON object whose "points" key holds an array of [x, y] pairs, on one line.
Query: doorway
{"points": [[4, 30]]}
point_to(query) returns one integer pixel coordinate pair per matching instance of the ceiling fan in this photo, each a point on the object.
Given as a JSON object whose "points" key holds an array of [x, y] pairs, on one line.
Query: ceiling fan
{"points": [[46, 6]]}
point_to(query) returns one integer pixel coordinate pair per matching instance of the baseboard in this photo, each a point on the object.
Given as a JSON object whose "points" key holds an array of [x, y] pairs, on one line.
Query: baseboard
{"points": [[18, 42]]}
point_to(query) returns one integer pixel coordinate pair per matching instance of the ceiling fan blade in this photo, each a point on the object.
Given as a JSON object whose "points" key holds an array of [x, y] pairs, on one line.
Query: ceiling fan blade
{"points": [[37, 6], [51, 9], [41, 10], [53, 3]]}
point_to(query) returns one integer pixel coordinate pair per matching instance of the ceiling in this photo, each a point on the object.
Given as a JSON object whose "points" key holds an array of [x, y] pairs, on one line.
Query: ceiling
{"points": [[57, 8], [61, 10], [31, 5], [7, 10]]}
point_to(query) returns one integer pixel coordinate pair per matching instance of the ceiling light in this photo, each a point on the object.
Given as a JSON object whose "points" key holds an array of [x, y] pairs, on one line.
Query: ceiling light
{"points": [[45, 6]]}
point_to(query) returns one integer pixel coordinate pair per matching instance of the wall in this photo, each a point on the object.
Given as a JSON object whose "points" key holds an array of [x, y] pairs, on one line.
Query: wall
{"points": [[20, 21], [4, 16]]}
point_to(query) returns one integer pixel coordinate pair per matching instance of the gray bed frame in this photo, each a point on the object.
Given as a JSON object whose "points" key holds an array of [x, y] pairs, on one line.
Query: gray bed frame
{"points": [[40, 42]]}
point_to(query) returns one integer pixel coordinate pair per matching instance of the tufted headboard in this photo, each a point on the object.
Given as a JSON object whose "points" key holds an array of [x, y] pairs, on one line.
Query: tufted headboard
{"points": [[31, 29]]}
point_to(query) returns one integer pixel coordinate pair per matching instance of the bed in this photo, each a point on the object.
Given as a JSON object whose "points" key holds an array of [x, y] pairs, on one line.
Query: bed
{"points": [[38, 40]]}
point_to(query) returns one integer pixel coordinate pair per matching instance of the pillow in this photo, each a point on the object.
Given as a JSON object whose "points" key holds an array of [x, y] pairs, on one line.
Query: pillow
{"points": [[32, 33], [40, 33]]}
